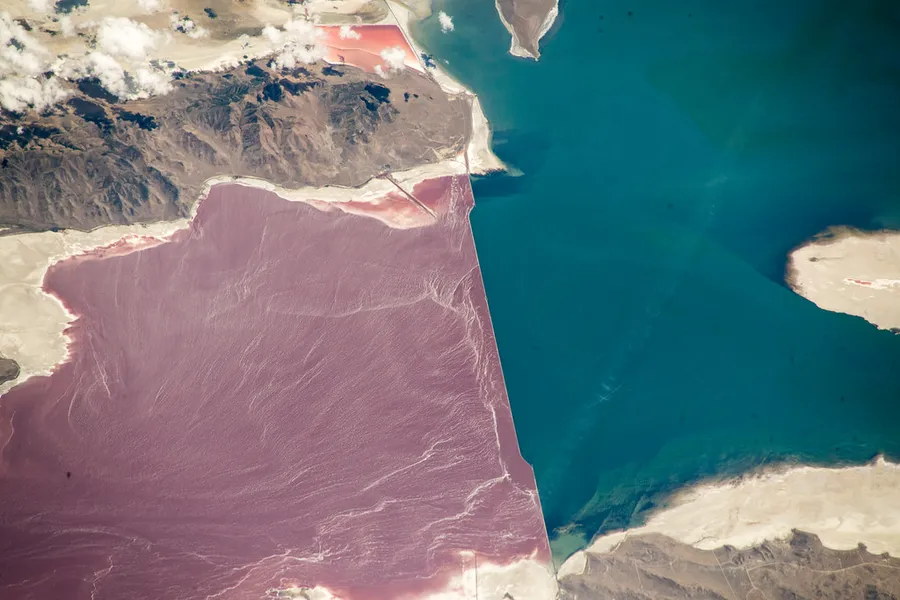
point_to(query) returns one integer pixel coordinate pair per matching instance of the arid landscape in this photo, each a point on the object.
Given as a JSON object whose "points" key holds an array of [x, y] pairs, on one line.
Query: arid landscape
{"points": [[96, 161], [245, 347], [295, 187], [655, 567], [851, 271]]}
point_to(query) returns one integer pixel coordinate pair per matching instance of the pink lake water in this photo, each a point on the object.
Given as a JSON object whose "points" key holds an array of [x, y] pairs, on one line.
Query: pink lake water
{"points": [[363, 47], [280, 396]]}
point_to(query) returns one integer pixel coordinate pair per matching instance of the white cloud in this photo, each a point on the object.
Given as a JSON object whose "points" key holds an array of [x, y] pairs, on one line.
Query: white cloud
{"points": [[149, 6], [394, 61], [297, 42], [120, 62], [148, 81], [273, 34], [66, 26], [41, 6], [21, 93], [446, 22], [347, 32], [128, 80], [118, 36], [23, 60], [187, 26]]}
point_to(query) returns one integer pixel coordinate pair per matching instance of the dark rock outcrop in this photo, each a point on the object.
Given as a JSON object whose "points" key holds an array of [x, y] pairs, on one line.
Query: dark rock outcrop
{"points": [[655, 567], [95, 161], [9, 369]]}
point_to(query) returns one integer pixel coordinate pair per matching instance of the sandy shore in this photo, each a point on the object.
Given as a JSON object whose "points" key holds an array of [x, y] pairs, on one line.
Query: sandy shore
{"points": [[526, 579], [316, 593], [850, 271], [480, 158], [31, 330], [213, 50], [516, 48], [32, 322], [844, 507], [370, 200], [218, 50]]}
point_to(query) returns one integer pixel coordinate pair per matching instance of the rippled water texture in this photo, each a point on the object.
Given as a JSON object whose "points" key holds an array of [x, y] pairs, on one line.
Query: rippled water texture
{"points": [[673, 153], [279, 397]]}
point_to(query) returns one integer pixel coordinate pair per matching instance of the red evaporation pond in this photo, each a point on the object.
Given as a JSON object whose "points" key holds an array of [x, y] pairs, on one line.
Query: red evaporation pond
{"points": [[279, 396], [362, 46]]}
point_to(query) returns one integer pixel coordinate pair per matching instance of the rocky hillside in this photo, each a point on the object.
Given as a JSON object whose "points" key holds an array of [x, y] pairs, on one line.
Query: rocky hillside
{"points": [[95, 160], [655, 567]]}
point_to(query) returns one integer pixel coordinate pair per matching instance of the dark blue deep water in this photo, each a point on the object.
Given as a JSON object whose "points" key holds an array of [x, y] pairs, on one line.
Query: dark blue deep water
{"points": [[670, 160]]}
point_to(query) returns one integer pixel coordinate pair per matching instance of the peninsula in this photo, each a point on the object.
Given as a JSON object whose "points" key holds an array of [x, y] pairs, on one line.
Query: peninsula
{"points": [[527, 21], [851, 271], [247, 351], [791, 532]]}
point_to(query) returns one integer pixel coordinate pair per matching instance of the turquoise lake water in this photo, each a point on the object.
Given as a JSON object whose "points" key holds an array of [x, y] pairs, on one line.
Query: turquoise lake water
{"points": [[670, 160]]}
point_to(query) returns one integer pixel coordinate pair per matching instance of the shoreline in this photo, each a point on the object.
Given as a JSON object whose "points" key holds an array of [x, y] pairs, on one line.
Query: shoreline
{"points": [[515, 46], [21, 285], [480, 158], [39, 343], [843, 506], [526, 577], [522, 571], [850, 271]]}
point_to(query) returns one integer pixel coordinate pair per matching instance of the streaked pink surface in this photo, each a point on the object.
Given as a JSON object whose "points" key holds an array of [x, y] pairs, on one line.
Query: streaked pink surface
{"points": [[280, 396], [365, 52]]}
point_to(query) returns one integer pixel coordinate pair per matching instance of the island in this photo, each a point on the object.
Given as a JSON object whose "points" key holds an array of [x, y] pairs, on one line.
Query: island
{"points": [[850, 271]]}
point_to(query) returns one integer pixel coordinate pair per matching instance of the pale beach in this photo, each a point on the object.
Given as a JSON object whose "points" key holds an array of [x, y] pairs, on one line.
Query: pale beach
{"points": [[845, 507], [851, 271]]}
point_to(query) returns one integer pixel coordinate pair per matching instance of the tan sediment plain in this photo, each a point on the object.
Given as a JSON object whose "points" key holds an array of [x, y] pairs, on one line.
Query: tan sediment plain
{"points": [[216, 43], [842, 506], [527, 21], [850, 271]]}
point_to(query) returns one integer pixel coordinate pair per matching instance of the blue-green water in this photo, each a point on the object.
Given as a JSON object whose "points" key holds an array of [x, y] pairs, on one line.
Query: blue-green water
{"points": [[671, 159]]}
